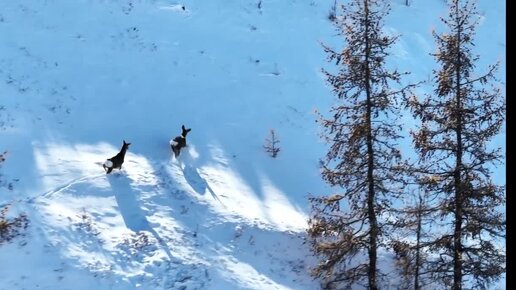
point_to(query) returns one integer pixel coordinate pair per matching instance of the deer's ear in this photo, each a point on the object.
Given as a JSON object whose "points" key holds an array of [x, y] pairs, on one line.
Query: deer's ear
{"points": [[124, 141], [188, 130], [183, 127]]}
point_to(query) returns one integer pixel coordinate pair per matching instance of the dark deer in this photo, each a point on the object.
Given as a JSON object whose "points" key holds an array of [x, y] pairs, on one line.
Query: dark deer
{"points": [[179, 142], [117, 160]]}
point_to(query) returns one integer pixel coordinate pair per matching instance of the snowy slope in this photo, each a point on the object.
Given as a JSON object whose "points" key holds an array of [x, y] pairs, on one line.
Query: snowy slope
{"points": [[78, 77]]}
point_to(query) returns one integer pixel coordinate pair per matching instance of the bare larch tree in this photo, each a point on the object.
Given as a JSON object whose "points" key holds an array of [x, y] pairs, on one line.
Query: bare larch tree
{"points": [[346, 228], [458, 120]]}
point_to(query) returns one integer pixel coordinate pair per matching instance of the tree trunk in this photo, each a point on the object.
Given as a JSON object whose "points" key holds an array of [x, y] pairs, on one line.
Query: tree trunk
{"points": [[457, 234], [370, 163], [418, 242]]}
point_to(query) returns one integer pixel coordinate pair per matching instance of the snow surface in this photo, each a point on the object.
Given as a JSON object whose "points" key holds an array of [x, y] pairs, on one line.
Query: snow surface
{"points": [[78, 77]]}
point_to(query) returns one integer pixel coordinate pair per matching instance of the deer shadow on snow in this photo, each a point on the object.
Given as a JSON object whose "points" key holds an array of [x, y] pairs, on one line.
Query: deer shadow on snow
{"points": [[134, 217], [193, 178]]}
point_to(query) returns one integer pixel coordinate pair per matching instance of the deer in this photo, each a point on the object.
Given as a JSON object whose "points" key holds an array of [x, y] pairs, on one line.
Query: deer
{"points": [[179, 142], [117, 160]]}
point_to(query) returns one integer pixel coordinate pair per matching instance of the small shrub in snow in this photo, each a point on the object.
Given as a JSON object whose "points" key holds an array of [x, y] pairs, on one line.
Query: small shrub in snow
{"points": [[3, 183], [138, 242], [11, 227], [251, 240], [86, 224], [332, 15], [271, 144]]}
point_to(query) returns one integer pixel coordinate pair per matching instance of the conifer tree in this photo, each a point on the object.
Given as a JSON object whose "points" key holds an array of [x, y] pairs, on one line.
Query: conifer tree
{"points": [[347, 228], [458, 120], [271, 144], [413, 223]]}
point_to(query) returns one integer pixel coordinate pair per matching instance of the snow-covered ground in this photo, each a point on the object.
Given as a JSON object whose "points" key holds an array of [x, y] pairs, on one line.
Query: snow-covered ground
{"points": [[78, 77]]}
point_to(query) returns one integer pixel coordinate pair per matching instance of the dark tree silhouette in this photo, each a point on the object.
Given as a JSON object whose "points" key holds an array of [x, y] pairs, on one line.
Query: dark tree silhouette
{"points": [[457, 122], [413, 223], [347, 228], [271, 144]]}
